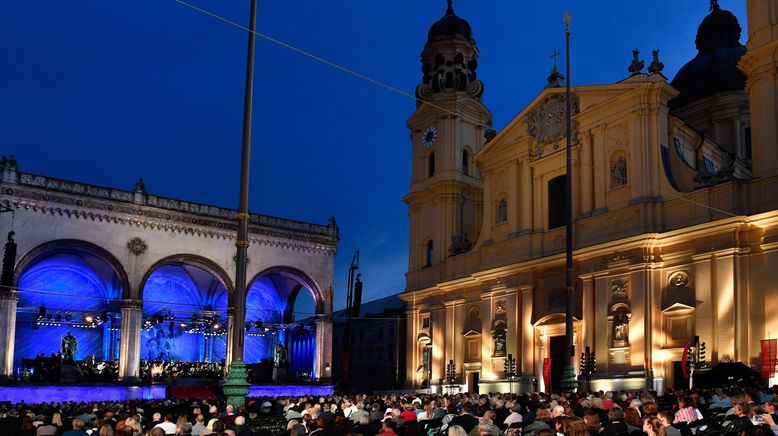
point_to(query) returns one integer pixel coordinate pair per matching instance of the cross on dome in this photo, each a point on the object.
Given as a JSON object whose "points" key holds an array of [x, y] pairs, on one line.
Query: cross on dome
{"points": [[450, 8], [714, 4]]}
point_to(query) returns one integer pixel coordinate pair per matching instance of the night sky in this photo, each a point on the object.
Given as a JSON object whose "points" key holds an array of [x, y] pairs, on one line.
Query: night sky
{"points": [[105, 92]]}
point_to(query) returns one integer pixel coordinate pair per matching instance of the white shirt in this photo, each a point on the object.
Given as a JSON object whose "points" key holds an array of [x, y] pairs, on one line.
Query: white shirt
{"points": [[513, 417], [169, 427]]}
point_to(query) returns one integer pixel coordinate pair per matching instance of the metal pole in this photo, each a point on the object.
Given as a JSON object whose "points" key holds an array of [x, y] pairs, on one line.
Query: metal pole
{"points": [[568, 379], [236, 388]]}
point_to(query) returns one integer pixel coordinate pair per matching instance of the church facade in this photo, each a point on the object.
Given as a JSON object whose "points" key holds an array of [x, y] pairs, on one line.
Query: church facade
{"points": [[675, 212]]}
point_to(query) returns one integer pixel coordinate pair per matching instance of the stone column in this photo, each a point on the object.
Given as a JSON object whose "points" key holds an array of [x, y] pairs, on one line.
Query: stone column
{"points": [[322, 361], [129, 350], [8, 301]]}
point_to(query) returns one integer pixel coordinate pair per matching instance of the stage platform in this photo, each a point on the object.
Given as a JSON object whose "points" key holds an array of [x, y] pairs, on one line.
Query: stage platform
{"points": [[48, 394]]}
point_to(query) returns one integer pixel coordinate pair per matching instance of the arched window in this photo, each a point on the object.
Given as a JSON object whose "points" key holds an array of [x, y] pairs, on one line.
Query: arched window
{"points": [[429, 253], [431, 165], [556, 201], [465, 162]]}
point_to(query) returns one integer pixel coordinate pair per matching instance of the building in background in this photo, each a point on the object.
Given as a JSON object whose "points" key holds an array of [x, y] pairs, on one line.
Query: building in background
{"points": [[675, 208], [377, 349]]}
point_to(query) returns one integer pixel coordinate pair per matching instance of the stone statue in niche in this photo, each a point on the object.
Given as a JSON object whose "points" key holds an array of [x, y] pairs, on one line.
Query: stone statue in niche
{"points": [[502, 211], [499, 308], [620, 328], [499, 342], [619, 172]]}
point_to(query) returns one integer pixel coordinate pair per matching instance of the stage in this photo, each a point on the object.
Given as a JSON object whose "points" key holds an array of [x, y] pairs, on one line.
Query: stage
{"points": [[48, 394]]}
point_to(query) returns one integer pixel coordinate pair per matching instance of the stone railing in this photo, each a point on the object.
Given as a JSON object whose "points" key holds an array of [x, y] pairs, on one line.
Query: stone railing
{"points": [[140, 197]]}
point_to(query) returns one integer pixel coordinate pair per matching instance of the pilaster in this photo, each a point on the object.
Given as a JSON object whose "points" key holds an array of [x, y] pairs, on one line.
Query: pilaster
{"points": [[322, 362], [8, 302]]}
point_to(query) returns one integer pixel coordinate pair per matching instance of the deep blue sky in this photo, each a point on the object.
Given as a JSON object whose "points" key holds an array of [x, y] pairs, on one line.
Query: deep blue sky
{"points": [[106, 91]]}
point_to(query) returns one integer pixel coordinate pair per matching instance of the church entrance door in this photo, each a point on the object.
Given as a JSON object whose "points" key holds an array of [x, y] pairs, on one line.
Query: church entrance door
{"points": [[557, 347]]}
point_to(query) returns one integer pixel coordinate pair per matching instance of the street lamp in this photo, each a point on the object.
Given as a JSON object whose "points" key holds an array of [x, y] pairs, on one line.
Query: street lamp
{"points": [[510, 371], [569, 382]]}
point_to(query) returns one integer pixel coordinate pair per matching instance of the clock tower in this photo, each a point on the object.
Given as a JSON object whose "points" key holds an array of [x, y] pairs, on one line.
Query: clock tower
{"points": [[447, 129]]}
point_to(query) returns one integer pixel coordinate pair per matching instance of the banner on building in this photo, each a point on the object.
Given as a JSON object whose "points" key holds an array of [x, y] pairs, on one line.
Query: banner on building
{"points": [[684, 361], [547, 373], [769, 352]]}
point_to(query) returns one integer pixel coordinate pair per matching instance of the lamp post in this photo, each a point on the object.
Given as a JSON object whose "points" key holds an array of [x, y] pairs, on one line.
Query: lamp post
{"points": [[350, 303], [588, 366], [451, 375], [569, 382], [237, 387], [510, 371]]}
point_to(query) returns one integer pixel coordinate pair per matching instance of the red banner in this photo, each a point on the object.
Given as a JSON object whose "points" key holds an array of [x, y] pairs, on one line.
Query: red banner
{"points": [[684, 359], [769, 352], [547, 373]]}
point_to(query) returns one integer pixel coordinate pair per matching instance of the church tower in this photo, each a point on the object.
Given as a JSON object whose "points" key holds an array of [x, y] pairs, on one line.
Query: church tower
{"points": [[447, 129], [760, 64]]}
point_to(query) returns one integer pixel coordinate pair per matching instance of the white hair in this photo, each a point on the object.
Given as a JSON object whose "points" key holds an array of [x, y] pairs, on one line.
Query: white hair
{"points": [[240, 420]]}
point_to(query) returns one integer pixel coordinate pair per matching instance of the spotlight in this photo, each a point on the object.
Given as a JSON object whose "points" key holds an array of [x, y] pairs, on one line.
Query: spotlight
{"points": [[182, 325], [88, 319], [216, 326]]}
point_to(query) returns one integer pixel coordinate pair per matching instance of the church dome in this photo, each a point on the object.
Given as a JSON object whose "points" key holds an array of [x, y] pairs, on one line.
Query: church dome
{"points": [[450, 25], [714, 69]]}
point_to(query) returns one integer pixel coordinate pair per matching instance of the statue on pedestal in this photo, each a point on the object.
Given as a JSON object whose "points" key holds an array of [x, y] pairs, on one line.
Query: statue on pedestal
{"points": [[279, 356], [69, 346]]}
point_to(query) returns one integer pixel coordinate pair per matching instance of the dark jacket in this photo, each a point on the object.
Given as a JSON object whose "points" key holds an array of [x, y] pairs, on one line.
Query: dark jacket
{"points": [[617, 428], [467, 422]]}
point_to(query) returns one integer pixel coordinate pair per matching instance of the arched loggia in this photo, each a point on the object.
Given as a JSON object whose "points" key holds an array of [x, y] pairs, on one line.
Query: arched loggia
{"points": [[185, 301], [270, 320], [67, 287]]}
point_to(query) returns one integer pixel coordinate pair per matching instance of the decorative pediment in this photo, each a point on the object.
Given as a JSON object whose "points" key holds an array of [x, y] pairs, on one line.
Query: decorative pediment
{"points": [[677, 308], [471, 333], [547, 124]]}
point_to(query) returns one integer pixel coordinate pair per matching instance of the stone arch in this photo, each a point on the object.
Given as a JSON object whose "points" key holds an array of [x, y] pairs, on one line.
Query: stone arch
{"points": [[191, 259], [64, 245], [553, 318], [303, 278]]}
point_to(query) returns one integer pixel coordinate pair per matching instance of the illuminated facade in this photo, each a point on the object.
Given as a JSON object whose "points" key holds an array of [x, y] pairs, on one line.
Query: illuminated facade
{"points": [[675, 207], [137, 276]]}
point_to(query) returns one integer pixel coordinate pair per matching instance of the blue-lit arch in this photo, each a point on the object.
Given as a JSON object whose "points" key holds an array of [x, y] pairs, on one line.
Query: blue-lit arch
{"points": [[270, 303], [185, 300], [68, 286]]}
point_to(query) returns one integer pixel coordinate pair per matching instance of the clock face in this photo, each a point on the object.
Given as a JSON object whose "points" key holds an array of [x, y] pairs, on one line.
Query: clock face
{"points": [[430, 135]]}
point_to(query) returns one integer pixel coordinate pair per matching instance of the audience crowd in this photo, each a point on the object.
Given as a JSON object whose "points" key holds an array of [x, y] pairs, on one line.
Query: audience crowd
{"points": [[725, 412]]}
